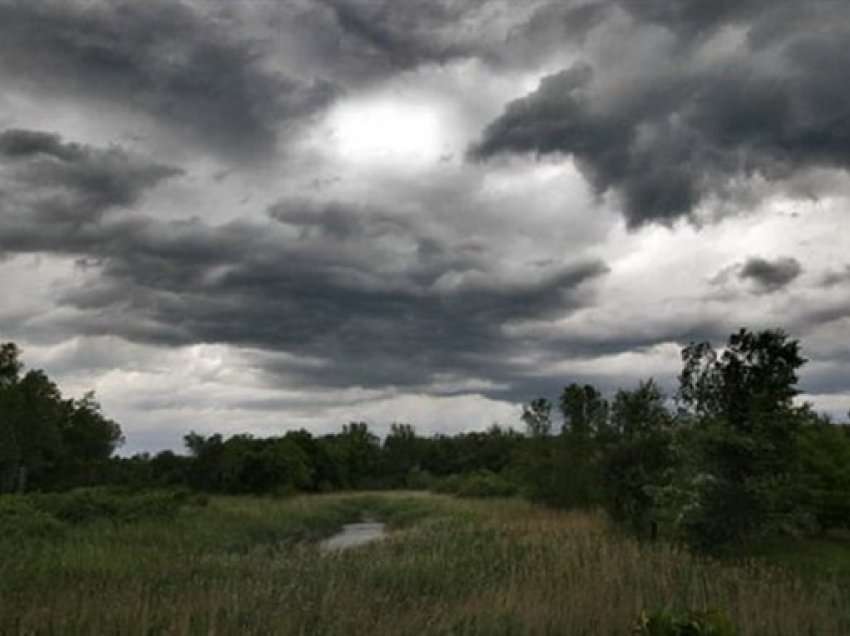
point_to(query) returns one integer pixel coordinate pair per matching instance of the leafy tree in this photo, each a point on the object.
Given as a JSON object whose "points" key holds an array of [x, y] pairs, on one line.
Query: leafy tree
{"points": [[10, 364], [576, 480], [640, 412], [742, 402], [535, 456], [326, 473], [537, 417], [357, 451], [639, 462], [402, 453], [584, 409], [88, 439], [206, 472], [825, 466], [48, 442]]}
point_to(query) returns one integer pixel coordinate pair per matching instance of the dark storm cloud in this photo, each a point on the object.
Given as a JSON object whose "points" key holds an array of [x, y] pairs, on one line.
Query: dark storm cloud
{"points": [[360, 40], [162, 58], [770, 276], [320, 296], [402, 34], [49, 186], [378, 300], [672, 125]]}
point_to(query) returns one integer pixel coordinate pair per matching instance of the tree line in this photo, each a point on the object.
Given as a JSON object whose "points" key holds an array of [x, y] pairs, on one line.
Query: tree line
{"points": [[730, 456]]}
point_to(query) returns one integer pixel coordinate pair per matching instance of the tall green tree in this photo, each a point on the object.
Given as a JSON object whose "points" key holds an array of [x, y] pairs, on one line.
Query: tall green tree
{"points": [[576, 464], [46, 441], [584, 409], [535, 456], [741, 401], [639, 457]]}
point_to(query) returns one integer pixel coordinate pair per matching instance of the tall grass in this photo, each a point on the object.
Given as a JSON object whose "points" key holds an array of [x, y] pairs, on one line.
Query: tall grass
{"points": [[251, 566]]}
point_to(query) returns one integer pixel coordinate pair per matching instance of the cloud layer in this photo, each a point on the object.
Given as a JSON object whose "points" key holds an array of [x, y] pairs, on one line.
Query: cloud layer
{"points": [[246, 216], [715, 93]]}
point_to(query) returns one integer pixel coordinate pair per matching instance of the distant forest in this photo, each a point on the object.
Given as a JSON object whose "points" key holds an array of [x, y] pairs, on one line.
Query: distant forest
{"points": [[729, 457]]}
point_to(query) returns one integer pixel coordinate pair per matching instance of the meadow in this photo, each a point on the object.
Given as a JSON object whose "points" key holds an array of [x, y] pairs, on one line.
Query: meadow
{"points": [[246, 565]]}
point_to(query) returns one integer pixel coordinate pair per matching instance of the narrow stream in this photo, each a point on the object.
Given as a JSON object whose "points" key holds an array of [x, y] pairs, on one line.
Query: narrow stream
{"points": [[353, 535]]}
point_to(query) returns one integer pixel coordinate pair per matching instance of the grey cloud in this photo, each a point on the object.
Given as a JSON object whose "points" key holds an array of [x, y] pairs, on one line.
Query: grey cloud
{"points": [[165, 59], [402, 34], [834, 278], [45, 180], [380, 299], [667, 136], [362, 39], [770, 276], [252, 285], [553, 26]]}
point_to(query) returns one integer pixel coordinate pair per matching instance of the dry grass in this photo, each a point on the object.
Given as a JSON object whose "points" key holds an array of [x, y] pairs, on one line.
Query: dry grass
{"points": [[243, 566]]}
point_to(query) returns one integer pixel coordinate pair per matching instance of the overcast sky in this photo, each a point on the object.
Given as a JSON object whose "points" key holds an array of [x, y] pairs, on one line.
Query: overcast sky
{"points": [[256, 215]]}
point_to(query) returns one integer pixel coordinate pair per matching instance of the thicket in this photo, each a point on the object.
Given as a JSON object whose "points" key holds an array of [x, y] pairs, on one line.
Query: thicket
{"points": [[47, 515], [731, 456]]}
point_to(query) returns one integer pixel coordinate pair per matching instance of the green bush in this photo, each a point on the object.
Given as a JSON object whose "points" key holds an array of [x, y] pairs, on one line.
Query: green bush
{"points": [[418, 479], [92, 504], [19, 519], [486, 484], [448, 485], [689, 623], [482, 483]]}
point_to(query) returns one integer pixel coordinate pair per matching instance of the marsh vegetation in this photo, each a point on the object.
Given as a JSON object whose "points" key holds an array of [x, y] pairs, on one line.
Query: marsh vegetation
{"points": [[243, 565]]}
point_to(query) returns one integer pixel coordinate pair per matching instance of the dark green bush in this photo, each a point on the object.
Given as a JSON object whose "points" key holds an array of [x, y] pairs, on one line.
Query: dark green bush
{"points": [[684, 623], [92, 504], [448, 485], [19, 519], [418, 479], [486, 484], [482, 483]]}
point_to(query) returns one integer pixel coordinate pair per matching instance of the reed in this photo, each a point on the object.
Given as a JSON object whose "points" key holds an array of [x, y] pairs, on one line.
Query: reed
{"points": [[450, 566]]}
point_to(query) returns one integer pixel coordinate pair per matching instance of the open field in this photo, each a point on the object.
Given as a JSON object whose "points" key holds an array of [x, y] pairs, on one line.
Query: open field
{"points": [[450, 566]]}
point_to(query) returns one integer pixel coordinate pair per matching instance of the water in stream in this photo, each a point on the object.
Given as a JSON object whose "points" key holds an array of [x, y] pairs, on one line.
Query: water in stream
{"points": [[354, 534]]}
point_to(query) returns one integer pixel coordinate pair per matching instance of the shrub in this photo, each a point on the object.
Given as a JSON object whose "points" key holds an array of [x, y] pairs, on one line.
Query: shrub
{"points": [[486, 484], [448, 485], [91, 504], [19, 519], [689, 623], [418, 479]]}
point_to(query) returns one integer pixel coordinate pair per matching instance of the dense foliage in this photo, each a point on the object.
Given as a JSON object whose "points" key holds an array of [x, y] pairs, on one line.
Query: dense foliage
{"points": [[730, 457], [48, 442]]}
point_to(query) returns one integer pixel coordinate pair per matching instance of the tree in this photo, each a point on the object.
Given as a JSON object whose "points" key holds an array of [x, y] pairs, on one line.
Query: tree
{"points": [[206, 470], [742, 404], [535, 456], [358, 451], [638, 460], [88, 439], [10, 364], [537, 417], [402, 453], [584, 409], [35, 409], [47, 441], [756, 376], [639, 412], [576, 464], [825, 461]]}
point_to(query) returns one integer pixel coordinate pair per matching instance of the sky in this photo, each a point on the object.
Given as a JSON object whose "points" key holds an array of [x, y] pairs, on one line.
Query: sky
{"points": [[254, 216]]}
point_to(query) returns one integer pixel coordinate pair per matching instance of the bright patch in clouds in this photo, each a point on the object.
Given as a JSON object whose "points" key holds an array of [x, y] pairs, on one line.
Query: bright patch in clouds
{"points": [[387, 131]]}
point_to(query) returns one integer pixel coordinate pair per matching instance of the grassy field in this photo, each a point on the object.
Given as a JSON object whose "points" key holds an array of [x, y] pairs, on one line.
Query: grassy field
{"points": [[450, 566]]}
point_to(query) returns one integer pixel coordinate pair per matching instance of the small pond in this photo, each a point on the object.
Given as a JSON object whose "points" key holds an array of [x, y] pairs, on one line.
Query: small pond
{"points": [[354, 534]]}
